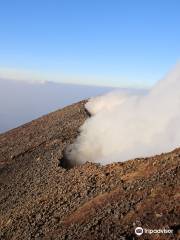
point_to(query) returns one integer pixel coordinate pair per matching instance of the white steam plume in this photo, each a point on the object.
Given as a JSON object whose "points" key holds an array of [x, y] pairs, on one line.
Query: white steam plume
{"points": [[125, 126]]}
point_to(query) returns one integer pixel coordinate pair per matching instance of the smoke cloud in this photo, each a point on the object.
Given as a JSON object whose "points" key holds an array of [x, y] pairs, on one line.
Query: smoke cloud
{"points": [[126, 126]]}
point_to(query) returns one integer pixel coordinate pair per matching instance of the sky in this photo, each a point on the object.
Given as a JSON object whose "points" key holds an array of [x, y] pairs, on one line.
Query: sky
{"points": [[123, 43]]}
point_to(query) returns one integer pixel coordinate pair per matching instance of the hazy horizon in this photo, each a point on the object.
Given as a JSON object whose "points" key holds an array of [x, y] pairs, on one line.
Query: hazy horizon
{"points": [[23, 101]]}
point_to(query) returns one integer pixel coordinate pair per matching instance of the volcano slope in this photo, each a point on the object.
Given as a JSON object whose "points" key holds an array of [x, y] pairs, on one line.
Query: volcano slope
{"points": [[39, 199]]}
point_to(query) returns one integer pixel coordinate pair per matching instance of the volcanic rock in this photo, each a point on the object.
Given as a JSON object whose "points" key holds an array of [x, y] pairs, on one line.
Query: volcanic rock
{"points": [[41, 199]]}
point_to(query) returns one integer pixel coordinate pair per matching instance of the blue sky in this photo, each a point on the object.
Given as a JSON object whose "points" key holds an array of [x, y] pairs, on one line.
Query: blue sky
{"points": [[98, 42]]}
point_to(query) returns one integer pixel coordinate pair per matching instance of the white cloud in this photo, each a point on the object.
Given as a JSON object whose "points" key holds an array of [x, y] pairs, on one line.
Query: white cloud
{"points": [[125, 126]]}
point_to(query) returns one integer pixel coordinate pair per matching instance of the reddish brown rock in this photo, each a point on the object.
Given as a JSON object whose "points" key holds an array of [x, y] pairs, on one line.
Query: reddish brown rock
{"points": [[41, 200]]}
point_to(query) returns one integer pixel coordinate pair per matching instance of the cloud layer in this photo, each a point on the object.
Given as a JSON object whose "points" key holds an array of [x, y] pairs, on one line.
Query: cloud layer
{"points": [[22, 101], [130, 125]]}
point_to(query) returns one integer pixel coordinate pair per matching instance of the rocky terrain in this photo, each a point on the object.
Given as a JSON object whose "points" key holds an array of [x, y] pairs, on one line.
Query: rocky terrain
{"points": [[41, 199]]}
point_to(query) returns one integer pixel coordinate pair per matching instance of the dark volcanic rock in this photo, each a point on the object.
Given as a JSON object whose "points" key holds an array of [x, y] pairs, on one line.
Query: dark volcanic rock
{"points": [[39, 199]]}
